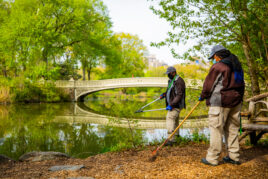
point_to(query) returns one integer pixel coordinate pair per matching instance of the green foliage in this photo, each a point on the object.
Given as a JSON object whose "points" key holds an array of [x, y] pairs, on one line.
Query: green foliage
{"points": [[184, 70], [238, 25], [247, 143], [44, 39], [132, 53], [263, 141], [65, 72], [194, 137], [50, 40], [183, 140], [197, 138], [45, 33], [38, 92], [123, 139]]}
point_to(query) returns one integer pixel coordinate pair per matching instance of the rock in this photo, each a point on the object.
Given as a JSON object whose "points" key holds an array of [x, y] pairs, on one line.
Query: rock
{"points": [[41, 156], [76, 178], [80, 178], [66, 167], [5, 159], [118, 170]]}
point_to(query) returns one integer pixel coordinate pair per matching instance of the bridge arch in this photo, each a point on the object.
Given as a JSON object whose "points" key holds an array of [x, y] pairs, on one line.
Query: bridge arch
{"points": [[83, 88], [82, 95]]}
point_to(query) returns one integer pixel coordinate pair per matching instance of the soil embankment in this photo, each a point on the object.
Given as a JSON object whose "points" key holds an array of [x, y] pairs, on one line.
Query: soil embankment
{"points": [[172, 162]]}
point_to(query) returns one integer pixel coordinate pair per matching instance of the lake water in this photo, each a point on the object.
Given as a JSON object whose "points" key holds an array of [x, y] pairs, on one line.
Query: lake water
{"points": [[102, 123]]}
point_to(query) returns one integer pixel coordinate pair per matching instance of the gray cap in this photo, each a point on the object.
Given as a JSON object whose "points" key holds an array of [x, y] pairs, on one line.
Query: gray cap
{"points": [[215, 49], [170, 69]]}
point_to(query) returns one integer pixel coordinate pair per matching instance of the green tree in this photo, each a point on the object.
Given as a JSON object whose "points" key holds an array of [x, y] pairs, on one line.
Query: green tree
{"points": [[240, 25], [40, 32], [131, 52]]}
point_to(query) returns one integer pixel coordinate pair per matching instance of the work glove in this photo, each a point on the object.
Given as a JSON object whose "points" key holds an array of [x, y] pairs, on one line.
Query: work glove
{"points": [[169, 108], [163, 95], [200, 99]]}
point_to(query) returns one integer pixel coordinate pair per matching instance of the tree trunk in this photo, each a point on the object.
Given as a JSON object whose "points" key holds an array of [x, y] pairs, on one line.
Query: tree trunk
{"points": [[4, 70], [247, 47], [84, 72], [44, 55], [264, 44], [252, 71], [266, 76], [45, 60], [88, 73], [24, 67]]}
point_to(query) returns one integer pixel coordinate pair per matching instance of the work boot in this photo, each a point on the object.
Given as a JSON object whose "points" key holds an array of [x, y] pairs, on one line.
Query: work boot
{"points": [[170, 143], [204, 161], [227, 159]]}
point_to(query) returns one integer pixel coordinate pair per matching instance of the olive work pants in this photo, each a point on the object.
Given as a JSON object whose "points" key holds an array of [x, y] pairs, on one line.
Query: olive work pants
{"points": [[223, 121], [172, 122]]}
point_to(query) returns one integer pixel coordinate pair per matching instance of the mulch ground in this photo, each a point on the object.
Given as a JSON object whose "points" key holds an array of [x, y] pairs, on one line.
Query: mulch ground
{"points": [[172, 162]]}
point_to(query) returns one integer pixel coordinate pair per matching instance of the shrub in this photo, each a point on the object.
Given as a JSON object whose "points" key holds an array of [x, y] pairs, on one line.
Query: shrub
{"points": [[34, 91]]}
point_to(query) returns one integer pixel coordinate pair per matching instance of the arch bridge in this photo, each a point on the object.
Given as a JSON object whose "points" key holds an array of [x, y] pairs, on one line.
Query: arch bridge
{"points": [[80, 89]]}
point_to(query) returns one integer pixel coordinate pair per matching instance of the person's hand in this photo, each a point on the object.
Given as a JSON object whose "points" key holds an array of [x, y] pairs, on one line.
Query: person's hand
{"points": [[200, 99], [163, 95], [169, 108]]}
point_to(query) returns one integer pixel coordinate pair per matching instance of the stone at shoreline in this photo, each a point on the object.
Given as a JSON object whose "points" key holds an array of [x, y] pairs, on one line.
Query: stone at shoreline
{"points": [[41, 156], [118, 170], [5, 159], [76, 178], [80, 178], [66, 167]]}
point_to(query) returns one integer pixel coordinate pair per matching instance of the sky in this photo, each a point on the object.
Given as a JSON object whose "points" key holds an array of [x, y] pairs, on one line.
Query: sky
{"points": [[135, 17]]}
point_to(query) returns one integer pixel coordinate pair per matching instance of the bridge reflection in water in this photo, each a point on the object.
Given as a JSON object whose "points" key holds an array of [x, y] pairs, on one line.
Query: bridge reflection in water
{"points": [[83, 114]]}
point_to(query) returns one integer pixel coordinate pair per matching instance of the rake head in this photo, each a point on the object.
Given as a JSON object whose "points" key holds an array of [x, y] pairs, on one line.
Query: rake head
{"points": [[154, 156]]}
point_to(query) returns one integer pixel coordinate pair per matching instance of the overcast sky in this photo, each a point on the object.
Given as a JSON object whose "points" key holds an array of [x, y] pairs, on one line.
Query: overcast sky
{"points": [[135, 17]]}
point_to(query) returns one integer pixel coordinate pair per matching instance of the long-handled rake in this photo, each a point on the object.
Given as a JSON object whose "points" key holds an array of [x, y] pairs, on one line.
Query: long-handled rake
{"points": [[171, 135]]}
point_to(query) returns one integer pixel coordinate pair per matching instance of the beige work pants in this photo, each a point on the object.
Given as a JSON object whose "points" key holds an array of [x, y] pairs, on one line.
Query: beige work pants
{"points": [[223, 121], [172, 122]]}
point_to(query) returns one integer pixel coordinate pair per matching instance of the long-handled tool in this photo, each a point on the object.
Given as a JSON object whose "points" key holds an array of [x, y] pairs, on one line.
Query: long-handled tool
{"points": [[171, 135], [150, 110], [141, 109]]}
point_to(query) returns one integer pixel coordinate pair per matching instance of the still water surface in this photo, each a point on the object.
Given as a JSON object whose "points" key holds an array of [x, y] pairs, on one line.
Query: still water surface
{"points": [[84, 129]]}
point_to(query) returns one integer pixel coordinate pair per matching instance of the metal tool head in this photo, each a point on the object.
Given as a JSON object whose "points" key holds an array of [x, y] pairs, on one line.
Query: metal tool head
{"points": [[138, 111]]}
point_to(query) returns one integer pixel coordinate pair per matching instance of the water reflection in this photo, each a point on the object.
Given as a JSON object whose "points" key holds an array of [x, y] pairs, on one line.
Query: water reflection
{"points": [[79, 130]]}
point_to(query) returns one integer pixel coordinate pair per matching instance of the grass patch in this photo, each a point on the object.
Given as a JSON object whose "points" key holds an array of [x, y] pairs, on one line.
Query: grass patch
{"points": [[195, 137]]}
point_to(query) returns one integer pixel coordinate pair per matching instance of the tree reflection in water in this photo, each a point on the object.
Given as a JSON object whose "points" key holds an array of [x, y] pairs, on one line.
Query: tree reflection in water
{"points": [[30, 127]]}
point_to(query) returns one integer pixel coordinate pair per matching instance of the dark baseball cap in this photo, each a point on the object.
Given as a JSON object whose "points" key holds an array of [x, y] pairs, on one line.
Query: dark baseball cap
{"points": [[170, 69], [215, 49]]}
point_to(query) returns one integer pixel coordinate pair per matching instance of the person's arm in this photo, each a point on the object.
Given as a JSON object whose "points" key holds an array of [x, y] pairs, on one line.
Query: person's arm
{"points": [[210, 81], [180, 88]]}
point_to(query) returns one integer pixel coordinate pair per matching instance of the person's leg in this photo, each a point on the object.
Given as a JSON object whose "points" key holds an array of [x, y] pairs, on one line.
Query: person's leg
{"points": [[172, 121], [231, 133], [217, 116]]}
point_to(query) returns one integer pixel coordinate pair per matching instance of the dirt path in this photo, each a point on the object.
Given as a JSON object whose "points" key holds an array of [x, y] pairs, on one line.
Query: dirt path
{"points": [[173, 162]]}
